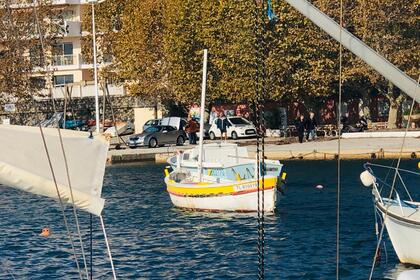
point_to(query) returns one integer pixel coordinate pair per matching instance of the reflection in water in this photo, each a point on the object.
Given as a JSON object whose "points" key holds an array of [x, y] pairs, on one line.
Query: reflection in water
{"points": [[150, 239]]}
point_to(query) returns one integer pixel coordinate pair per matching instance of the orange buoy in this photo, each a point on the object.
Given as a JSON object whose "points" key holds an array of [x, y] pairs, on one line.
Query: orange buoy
{"points": [[45, 232]]}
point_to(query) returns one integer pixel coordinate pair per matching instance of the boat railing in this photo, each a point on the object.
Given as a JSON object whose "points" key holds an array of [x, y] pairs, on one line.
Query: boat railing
{"points": [[368, 166]]}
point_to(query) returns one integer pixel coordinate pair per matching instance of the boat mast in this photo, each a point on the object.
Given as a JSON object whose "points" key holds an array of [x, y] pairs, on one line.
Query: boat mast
{"points": [[95, 67], [203, 104]]}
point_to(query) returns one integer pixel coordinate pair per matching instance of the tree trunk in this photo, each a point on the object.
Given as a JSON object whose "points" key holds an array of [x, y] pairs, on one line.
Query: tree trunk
{"points": [[395, 101], [364, 106], [393, 113]]}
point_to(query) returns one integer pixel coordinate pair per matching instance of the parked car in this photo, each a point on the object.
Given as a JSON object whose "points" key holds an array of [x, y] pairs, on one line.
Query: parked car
{"points": [[158, 135], [150, 123], [239, 127], [72, 123]]}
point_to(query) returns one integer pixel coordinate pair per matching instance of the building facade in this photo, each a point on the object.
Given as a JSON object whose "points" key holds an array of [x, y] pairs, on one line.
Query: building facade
{"points": [[71, 71]]}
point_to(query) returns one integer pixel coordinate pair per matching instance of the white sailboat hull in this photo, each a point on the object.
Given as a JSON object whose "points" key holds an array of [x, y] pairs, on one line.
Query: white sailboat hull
{"points": [[246, 202], [405, 238]]}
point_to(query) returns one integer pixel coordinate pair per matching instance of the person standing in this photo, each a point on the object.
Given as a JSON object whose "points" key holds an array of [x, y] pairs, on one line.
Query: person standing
{"points": [[311, 127], [223, 124], [191, 129], [300, 127]]}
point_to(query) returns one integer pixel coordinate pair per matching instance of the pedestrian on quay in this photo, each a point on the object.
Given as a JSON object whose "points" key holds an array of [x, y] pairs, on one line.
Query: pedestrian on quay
{"points": [[191, 129], [300, 127], [311, 125], [223, 124]]}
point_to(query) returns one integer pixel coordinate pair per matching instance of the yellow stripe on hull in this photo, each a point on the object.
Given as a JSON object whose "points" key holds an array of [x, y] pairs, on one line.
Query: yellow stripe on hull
{"points": [[218, 189]]}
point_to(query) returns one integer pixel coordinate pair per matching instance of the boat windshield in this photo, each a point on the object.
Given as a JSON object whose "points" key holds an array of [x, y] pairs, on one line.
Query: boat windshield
{"points": [[238, 121], [152, 129]]}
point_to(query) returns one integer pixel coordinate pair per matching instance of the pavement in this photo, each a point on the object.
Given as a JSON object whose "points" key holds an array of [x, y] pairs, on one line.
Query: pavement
{"points": [[278, 148]]}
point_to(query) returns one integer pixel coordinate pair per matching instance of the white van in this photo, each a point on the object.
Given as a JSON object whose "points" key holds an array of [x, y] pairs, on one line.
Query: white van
{"points": [[177, 122]]}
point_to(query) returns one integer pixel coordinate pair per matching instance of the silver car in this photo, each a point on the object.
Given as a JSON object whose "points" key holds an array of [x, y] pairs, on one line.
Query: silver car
{"points": [[158, 135]]}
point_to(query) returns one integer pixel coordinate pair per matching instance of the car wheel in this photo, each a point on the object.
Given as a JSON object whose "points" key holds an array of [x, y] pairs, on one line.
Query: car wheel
{"points": [[180, 141], [212, 136], [234, 135], [153, 143]]}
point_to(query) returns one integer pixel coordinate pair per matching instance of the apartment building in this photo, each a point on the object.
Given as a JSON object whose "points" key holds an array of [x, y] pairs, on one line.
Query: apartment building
{"points": [[70, 69]]}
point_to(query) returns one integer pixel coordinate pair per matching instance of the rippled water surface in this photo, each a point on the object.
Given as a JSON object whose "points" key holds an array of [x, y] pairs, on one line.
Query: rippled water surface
{"points": [[151, 239]]}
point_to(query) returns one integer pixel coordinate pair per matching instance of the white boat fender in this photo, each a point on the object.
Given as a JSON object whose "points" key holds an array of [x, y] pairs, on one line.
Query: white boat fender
{"points": [[367, 179], [410, 275]]}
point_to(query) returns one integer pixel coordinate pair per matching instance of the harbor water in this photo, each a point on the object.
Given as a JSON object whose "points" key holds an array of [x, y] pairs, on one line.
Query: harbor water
{"points": [[150, 239]]}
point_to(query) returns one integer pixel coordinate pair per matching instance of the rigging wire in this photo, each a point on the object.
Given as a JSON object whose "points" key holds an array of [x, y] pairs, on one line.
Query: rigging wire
{"points": [[393, 185], [108, 248], [340, 90], [65, 162], [91, 246], [60, 200]]}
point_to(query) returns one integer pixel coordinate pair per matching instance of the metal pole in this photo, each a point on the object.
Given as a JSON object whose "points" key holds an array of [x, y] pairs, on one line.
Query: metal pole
{"points": [[95, 69], [203, 104]]}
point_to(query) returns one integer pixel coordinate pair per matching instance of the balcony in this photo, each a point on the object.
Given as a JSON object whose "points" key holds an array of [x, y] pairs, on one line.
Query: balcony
{"points": [[71, 29], [86, 89], [64, 60], [18, 4]]}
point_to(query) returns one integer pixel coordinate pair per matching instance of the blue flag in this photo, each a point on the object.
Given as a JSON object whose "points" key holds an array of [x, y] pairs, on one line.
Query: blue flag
{"points": [[270, 13]]}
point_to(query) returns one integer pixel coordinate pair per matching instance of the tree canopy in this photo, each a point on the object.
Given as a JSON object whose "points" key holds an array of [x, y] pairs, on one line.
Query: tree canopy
{"points": [[20, 48]]}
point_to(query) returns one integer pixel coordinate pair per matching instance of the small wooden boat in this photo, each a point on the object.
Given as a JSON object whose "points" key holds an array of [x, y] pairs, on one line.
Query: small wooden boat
{"points": [[221, 177], [224, 188]]}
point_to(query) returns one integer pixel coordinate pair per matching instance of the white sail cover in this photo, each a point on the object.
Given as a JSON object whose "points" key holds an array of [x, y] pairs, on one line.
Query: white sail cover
{"points": [[24, 164]]}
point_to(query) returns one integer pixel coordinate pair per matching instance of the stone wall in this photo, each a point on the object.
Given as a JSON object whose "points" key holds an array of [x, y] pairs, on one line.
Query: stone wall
{"points": [[32, 112]]}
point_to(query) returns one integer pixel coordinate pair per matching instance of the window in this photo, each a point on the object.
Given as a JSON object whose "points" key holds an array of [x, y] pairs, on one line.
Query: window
{"points": [[62, 80], [63, 49], [152, 129], [238, 121], [67, 15], [63, 54]]}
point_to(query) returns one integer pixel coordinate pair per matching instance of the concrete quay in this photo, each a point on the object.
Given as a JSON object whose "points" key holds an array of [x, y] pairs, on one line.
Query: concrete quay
{"points": [[275, 148], [351, 148]]}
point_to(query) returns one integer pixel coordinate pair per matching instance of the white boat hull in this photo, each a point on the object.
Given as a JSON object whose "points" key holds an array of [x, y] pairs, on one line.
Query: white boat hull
{"points": [[405, 238], [246, 202]]}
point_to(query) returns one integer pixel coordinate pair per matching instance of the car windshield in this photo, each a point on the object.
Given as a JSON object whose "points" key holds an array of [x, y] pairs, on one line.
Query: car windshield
{"points": [[238, 121], [152, 129]]}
